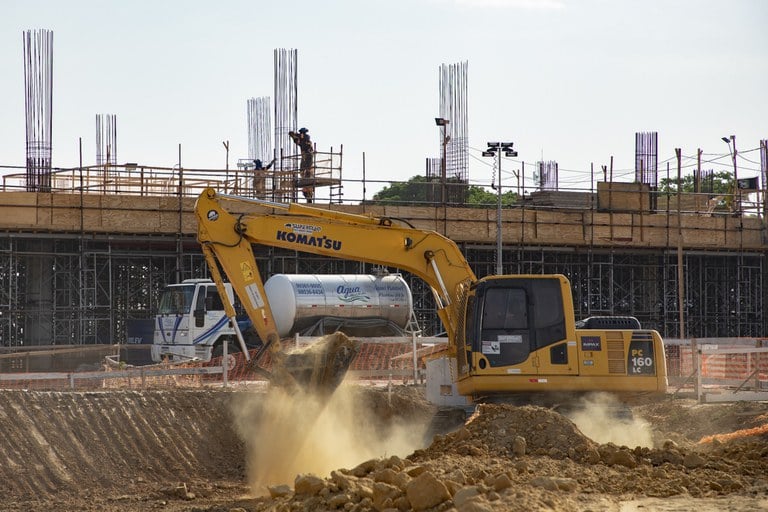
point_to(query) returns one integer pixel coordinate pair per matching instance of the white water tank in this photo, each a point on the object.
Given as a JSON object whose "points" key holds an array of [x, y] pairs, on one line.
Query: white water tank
{"points": [[300, 300]]}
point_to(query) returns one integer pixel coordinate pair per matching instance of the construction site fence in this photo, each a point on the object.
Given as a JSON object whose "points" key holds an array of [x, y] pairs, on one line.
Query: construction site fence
{"points": [[708, 366], [126, 366]]}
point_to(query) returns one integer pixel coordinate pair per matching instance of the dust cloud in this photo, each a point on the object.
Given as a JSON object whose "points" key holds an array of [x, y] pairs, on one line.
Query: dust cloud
{"points": [[287, 434], [604, 419]]}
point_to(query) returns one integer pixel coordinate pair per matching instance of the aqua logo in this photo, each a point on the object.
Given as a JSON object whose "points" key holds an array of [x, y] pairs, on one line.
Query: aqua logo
{"points": [[351, 294]]}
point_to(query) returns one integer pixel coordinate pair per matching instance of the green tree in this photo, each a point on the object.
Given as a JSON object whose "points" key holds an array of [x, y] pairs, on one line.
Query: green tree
{"points": [[418, 190], [722, 183], [415, 190]]}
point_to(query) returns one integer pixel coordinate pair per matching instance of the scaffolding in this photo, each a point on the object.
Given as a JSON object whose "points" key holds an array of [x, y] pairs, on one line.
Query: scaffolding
{"points": [[99, 283], [88, 258], [282, 181]]}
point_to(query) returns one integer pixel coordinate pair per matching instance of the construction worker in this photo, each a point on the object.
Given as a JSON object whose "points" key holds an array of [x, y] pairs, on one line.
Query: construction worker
{"points": [[301, 139], [260, 177]]}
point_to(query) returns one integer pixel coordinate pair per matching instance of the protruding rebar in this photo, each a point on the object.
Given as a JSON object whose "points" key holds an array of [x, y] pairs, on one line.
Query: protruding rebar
{"points": [[106, 139], [646, 158], [260, 129], [453, 140], [38, 101]]}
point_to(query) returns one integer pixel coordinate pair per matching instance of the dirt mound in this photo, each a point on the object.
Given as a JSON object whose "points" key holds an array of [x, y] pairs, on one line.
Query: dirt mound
{"points": [[505, 430], [531, 458]]}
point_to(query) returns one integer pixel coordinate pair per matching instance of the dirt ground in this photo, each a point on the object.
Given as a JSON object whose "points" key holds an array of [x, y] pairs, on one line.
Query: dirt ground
{"points": [[208, 450]]}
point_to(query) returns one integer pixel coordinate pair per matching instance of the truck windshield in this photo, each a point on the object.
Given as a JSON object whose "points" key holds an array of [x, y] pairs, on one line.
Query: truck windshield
{"points": [[176, 300]]}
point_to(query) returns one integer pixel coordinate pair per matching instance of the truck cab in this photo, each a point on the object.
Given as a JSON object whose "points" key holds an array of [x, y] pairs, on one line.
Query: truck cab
{"points": [[191, 323]]}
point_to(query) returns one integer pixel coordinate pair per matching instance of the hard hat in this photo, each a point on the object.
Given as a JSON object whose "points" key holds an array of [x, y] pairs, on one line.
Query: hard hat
{"points": [[303, 130]]}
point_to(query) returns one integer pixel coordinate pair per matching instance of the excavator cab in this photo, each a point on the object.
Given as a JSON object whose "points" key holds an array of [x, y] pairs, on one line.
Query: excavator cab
{"points": [[509, 318], [520, 336]]}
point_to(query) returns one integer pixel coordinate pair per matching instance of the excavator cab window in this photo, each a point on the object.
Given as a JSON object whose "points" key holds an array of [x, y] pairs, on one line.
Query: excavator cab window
{"points": [[517, 316], [504, 329]]}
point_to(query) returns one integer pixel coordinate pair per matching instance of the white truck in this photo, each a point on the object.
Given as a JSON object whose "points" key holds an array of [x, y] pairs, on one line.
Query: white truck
{"points": [[191, 323]]}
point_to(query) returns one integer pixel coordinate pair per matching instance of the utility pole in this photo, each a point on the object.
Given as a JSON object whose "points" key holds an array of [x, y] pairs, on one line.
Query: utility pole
{"points": [[439, 121], [731, 141], [494, 150]]}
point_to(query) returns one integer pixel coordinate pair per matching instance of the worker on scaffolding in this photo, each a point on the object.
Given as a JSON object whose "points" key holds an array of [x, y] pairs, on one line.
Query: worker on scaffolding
{"points": [[260, 177], [301, 139]]}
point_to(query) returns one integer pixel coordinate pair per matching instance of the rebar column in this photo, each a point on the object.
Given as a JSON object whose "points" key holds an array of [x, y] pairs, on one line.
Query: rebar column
{"points": [[286, 106], [286, 120], [38, 102], [453, 107], [106, 139], [646, 158], [547, 177], [260, 129]]}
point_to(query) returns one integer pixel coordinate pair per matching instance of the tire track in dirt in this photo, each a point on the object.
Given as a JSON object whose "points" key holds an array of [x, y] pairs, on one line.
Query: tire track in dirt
{"points": [[62, 441], [65, 410], [33, 454], [102, 438], [173, 420], [14, 454]]}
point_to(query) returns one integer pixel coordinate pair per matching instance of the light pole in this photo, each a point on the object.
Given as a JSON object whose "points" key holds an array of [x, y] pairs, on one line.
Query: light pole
{"points": [[439, 121], [736, 198], [494, 150]]}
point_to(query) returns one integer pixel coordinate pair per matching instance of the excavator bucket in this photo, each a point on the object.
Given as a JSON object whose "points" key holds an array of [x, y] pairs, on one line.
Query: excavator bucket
{"points": [[318, 368]]}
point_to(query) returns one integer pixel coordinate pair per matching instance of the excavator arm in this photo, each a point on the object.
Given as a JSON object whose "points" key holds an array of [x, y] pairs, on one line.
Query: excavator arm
{"points": [[226, 240]]}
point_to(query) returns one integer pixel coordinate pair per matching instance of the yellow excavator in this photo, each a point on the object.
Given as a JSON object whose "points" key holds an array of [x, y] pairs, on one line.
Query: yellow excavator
{"points": [[509, 334]]}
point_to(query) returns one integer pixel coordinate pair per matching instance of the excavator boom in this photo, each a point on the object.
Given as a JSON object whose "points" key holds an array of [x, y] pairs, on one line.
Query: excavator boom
{"points": [[226, 241]]}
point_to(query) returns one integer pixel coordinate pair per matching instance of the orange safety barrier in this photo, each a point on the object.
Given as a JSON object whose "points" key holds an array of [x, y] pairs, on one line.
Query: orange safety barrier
{"points": [[374, 361], [681, 362]]}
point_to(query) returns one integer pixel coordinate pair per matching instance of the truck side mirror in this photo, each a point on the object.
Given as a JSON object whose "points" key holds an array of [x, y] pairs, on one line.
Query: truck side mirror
{"points": [[199, 315]]}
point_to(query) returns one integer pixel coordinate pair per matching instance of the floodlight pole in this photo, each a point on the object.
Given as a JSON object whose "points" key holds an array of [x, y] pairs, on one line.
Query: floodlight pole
{"points": [[498, 222], [494, 150], [736, 190]]}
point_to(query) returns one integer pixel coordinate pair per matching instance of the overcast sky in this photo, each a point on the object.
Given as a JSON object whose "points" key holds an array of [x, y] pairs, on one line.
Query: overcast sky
{"points": [[566, 80]]}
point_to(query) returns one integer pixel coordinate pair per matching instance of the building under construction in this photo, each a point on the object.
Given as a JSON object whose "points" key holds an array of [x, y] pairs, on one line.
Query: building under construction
{"points": [[84, 251], [83, 257]]}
